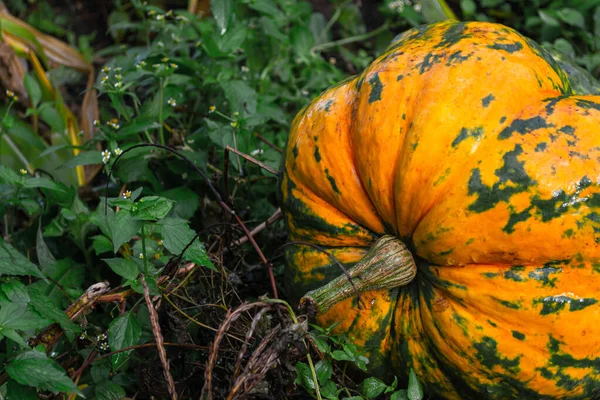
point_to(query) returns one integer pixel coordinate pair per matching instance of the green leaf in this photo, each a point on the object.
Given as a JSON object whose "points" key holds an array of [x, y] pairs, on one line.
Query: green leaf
{"points": [[305, 376], [399, 395], [302, 40], [83, 158], [138, 125], [372, 387], [122, 227], [571, 17], [177, 235], [241, 97], [108, 390], [468, 7], [8, 176], [20, 317], [16, 391], [43, 182], [14, 263], [122, 267], [101, 244], [565, 47], [222, 11], [548, 19], [48, 309], [597, 21], [35, 369], [123, 332], [151, 208], [33, 90], [44, 256], [414, 391], [186, 201], [16, 291], [324, 371]]}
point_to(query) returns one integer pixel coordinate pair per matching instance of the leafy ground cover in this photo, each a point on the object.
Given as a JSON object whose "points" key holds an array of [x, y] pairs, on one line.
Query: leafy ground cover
{"points": [[139, 145]]}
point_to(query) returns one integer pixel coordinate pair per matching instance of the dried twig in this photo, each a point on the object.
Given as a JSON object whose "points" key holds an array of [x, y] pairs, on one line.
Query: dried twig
{"points": [[259, 228], [162, 353], [267, 142], [252, 160]]}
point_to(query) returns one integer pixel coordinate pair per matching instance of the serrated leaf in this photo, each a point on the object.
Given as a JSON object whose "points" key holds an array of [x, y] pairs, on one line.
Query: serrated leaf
{"points": [[48, 309], [372, 387], [44, 256], [20, 317], [122, 267], [414, 391], [176, 236], [8, 176], [222, 11], [151, 208], [16, 292], [14, 263], [35, 369], [123, 332], [122, 227], [324, 370], [101, 244], [108, 390], [241, 97]]}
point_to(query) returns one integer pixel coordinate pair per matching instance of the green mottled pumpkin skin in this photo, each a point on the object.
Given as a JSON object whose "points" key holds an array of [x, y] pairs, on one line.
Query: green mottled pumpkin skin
{"points": [[472, 145]]}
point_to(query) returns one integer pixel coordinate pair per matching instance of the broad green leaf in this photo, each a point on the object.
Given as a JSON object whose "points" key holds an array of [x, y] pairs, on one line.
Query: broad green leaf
{"points": [[372, 387], [138, 125], [123, 332], [305, 376], [46, 308], [122, 267], [101, 244], [20, 317], [186, 201], [324, 370], [35, 369], [16, 291], [548, 19], [8, 176], [122, 228], [14, 263], [222, 11], [108, 390], [176, 236], [414, 391], [241, 97], [43, 182], [83, 158], [302, 40], [33, 89], [151, 208], [399, 395], [44, 256], [571, 17]]}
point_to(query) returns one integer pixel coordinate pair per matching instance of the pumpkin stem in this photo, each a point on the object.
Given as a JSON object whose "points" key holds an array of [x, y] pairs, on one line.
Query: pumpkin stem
{"points": [[387, 265]]}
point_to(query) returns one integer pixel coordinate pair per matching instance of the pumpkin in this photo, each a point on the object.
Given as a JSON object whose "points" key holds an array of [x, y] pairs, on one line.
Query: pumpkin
{"points": [[457, 179]]}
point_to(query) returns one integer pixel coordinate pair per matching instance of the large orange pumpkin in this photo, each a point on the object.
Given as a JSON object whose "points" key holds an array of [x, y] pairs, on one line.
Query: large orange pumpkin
{"points": [[466, 142]]}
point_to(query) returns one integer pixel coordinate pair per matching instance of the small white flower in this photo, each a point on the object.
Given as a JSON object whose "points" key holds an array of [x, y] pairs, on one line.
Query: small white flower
{"points": [[160, 17], [332, 60], [96, 122], [245, 69], [106, 154], [256, 152], [106, 69], [172, 102], [104, 346], [160, 44], [417, 7], [127, 194], [118, 151], [304, 92], [118, 69], [174, 66], [23, 171], [119, 77], [141, 64], [181, 18], [104, 79], [118, 84], [141, 255]]}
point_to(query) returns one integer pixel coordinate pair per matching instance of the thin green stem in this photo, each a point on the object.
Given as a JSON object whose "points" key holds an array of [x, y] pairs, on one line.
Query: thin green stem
{"points": [[334, 18], [18, 153], [161, 94], [352, 39]]}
